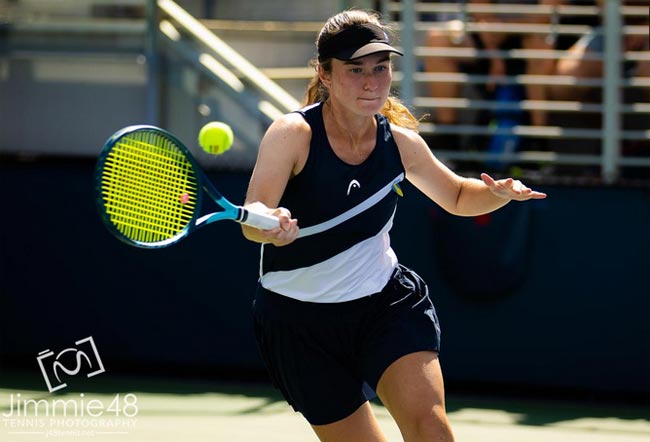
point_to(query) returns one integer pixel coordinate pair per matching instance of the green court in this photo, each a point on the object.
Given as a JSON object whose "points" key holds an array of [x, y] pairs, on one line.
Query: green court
{"points": [[173, 411]]}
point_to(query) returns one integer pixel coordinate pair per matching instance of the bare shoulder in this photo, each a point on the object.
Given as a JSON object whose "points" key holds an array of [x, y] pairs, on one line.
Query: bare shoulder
{"points": [[286, 143], [404, 135], [289, 127], [412, 147]]}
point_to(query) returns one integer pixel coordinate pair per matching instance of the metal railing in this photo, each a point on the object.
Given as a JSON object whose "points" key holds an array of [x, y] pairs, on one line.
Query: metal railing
{"points": [[410, 25], [145, 34], [218, 54], [254, 88]]}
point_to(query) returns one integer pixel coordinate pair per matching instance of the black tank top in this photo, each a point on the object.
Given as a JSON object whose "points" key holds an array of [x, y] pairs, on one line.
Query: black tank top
{"points": [[328, 190]]}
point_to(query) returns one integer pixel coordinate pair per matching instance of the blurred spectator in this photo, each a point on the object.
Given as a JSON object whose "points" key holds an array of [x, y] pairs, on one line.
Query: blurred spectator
{"points": [[495, 67], [575, 64]]}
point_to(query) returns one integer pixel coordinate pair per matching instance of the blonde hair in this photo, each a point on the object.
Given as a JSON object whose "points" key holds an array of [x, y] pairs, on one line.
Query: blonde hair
{"points": [[393, 109]]}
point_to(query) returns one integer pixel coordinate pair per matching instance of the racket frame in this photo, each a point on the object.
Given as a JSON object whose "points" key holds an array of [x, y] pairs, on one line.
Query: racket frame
{"points": [[204, 185]]}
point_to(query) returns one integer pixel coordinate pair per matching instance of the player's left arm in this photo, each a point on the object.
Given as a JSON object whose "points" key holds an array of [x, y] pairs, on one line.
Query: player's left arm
{"points": [[457, 195]]}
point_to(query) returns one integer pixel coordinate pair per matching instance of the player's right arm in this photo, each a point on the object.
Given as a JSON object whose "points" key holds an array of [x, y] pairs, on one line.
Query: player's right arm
{"points": [[282, 154]]}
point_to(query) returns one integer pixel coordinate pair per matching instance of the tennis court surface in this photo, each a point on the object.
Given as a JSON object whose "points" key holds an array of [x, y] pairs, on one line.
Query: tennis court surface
{"points": [[162, 410]]}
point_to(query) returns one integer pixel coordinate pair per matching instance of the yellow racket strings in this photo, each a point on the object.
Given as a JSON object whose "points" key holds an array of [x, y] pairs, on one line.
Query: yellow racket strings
{"points": [[149, 188]]}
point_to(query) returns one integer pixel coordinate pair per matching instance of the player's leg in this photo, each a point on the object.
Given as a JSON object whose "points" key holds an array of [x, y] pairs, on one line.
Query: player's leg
{"points": [[412, 389], [360, 426], [401, 359]]}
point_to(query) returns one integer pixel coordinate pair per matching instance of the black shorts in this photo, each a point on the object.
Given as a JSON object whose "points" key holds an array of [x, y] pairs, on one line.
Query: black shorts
{"points": [[320, 355]]}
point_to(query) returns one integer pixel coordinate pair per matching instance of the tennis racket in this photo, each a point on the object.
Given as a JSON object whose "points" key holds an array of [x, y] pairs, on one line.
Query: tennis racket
{"points": [[151, 192]]}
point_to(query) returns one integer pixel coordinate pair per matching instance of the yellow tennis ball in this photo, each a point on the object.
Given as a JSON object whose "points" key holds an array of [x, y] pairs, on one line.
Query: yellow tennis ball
{"points": [[216, 137]]}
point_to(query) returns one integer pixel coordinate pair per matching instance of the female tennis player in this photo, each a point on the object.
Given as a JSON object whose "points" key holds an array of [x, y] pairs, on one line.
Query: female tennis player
{"points": [[334, 310]]}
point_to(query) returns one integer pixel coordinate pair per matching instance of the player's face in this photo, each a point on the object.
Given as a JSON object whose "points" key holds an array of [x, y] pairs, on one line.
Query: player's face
{"points": [[363, 84]]}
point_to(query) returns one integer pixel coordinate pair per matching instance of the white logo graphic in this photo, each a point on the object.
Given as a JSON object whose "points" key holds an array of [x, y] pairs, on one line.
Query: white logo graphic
{"points": [[55, 367], [354, 184]]}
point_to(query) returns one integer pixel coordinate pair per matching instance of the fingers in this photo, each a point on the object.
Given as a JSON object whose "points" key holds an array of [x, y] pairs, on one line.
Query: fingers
{"points": [[523, 192], [501, 186], [288, 230], [537, 195], [511, 189], [284, 216], [488, 180], [515, 186]]}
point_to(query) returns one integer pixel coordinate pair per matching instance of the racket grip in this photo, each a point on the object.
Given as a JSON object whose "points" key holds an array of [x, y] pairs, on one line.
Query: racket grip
{"points": [[259, 220]]}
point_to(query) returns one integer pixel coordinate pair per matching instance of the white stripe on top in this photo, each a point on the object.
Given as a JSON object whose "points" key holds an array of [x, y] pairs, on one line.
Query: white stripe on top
{"points": [[359, 271], [361, 207]]}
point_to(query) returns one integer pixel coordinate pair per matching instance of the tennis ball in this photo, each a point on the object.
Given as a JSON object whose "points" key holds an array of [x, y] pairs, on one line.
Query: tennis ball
{"points": [[215, 137]]}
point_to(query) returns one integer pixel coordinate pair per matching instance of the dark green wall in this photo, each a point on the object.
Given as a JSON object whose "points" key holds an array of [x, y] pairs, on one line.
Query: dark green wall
{"points": [[551, 294]]}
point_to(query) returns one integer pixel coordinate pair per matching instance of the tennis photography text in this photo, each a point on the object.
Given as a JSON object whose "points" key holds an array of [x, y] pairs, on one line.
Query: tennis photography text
{"points": [[71, 416]]}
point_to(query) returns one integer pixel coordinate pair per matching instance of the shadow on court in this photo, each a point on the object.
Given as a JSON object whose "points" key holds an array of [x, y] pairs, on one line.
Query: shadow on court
{"points": [[258, 397], [542, 412]]}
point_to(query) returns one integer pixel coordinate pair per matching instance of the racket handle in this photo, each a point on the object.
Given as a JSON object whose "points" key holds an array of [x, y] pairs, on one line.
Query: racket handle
{"points": [[259, 220]]}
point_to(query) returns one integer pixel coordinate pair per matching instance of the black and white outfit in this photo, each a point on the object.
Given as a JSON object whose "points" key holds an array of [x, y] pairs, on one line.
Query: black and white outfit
{"points": [[334, 308]]}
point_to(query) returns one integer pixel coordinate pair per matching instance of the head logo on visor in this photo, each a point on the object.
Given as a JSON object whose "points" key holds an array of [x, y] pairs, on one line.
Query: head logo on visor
{"points": [[356, 41]]}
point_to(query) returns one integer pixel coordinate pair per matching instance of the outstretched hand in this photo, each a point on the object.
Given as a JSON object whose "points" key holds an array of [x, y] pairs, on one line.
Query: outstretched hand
{"points": [[511, 189]]}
